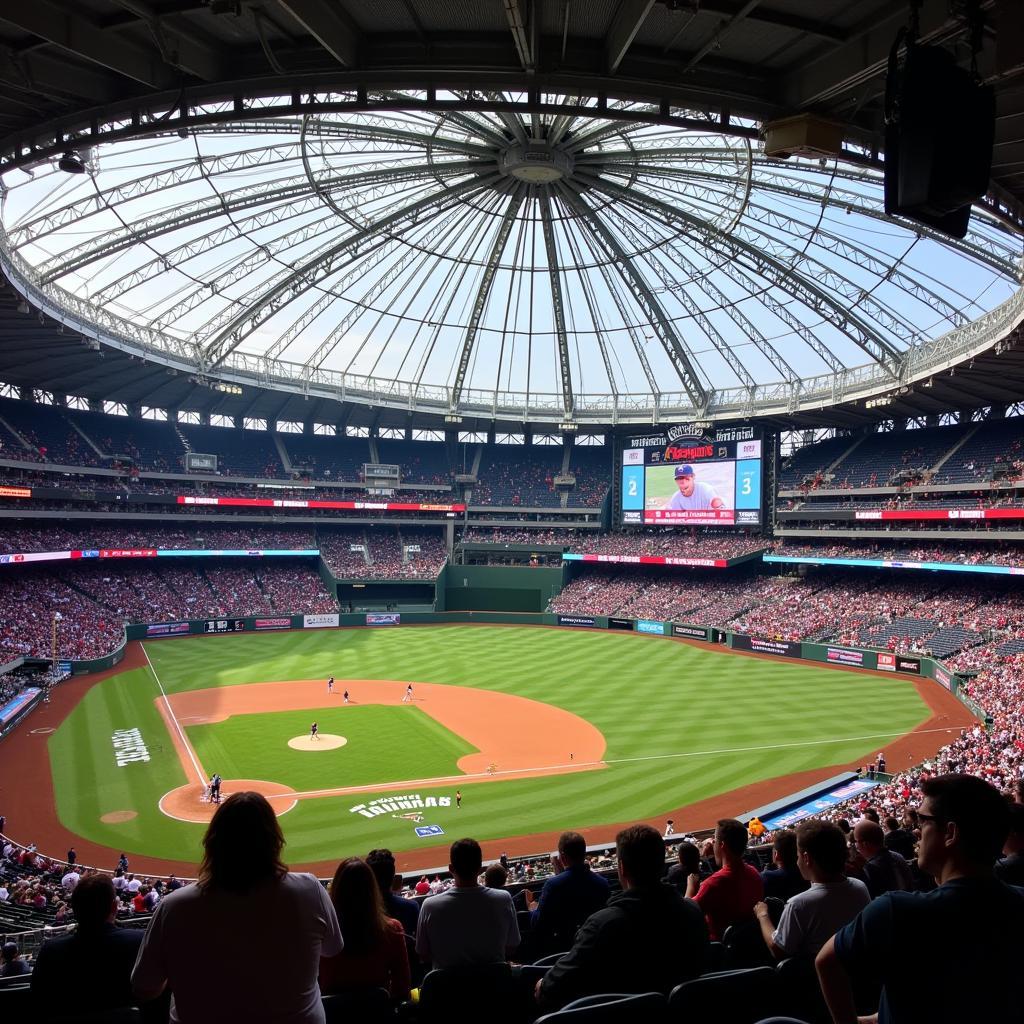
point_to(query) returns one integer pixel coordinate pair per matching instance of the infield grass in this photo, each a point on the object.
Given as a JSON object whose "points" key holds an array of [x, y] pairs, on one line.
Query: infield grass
{"points": [[681, 723]]}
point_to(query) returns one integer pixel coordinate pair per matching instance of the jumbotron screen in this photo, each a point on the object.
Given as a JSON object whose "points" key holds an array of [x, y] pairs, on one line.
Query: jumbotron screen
{"points": [[693, 475]]}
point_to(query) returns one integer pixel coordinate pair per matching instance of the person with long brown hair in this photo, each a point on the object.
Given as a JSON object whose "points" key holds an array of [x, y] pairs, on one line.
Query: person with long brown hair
{"points": [[375, 953], [243, 943]]}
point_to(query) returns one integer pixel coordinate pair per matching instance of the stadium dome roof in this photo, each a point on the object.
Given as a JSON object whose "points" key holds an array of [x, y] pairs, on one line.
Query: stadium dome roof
{"points": [[586, 253]]}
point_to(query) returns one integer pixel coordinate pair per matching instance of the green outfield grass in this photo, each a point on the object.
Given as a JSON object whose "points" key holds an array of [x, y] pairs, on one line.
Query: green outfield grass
{"points": [[681, 722]]}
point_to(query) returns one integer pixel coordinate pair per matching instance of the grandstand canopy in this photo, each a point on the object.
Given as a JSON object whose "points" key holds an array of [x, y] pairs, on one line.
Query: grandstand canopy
{"points": [[499, 209]]}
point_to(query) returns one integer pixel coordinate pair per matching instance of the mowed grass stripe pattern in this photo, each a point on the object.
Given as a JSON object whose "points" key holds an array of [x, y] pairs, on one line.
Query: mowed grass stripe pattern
{"points": [[652, 699]]}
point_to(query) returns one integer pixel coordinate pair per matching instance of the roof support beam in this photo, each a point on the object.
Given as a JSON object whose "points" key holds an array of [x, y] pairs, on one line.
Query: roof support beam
{"points": [[522, 21], [723, 29], [76, 35], [327, 24], [483, 291], [658, 318], [177, 49], [557, 301], [628, 19]]}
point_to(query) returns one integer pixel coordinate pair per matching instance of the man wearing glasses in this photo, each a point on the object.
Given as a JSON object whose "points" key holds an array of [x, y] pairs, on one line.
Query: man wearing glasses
{"points": [[950, 955]]}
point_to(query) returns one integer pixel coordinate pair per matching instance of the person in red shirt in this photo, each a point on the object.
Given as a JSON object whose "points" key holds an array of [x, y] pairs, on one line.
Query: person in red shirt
{"points": [[729, 895], [139, 903]]}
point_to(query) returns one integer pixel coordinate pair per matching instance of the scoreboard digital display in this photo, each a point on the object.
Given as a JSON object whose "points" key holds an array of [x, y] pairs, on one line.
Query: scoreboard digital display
{"points": [[693, 475]]}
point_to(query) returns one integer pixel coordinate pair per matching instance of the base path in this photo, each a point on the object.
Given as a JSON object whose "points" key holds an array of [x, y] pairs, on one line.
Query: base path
{"points": [[517, 737]]}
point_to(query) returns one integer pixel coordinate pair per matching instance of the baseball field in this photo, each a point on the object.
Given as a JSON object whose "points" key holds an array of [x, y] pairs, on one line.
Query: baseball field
{"points": [[538, 729]]}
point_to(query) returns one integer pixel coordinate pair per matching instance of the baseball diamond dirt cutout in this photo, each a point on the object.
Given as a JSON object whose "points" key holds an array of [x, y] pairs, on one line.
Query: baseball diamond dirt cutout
{"points": [[321, 741], [515, 737]]}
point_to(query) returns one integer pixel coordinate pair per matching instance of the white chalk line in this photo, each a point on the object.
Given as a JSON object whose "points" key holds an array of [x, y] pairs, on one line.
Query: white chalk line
{"points": [[177, 725], [551, 769]]}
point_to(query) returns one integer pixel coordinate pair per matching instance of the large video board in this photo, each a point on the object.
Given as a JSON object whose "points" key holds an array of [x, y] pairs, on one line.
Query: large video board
{"points": [[693, 475]]}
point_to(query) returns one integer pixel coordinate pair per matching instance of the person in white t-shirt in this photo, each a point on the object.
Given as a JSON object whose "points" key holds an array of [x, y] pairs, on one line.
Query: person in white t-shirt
{"points": [[810, 918], [468, 924], [693, 495], [70, 880], [211, 943]]}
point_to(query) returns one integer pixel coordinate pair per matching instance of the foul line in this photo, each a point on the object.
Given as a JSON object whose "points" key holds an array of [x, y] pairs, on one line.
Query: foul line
{"points": [[582, 765], [174, 718]]}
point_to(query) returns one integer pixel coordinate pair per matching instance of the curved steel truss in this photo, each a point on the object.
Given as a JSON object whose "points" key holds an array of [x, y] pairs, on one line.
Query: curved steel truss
{"points": [[580, 261]]}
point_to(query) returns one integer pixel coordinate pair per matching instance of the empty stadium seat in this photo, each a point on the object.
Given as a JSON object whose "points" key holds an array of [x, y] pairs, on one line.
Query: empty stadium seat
{"points": [[612, 1008], [469, 995], [726, 997], [362, 1005], [745, 946], [798, 982]]}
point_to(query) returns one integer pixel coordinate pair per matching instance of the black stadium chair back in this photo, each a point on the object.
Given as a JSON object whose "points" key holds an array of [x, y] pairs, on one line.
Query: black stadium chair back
{"points": [[745, 945], [726, 997], [472, 995], [358, 1006], [613, 1008], [798, 982]]}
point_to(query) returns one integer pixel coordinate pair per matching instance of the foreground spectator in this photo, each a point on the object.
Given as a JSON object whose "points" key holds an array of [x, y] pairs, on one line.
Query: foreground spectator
{"points": [[648, 938], [568, 898], [1011, 868], [689, 863], [89, 971], [964, 823], [729, 895], [244, 943], [784, 879], [374, 953], [382, 864], [810, 918], [468, 924]]}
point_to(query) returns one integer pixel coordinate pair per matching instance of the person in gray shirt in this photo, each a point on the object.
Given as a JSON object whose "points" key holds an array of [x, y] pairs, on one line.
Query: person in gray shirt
{"points": [[811, 918]]}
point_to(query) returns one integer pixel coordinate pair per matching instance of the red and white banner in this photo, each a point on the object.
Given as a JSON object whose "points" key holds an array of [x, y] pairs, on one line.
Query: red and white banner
{"points": [[692, 517], [380, 506], [941, 513], [713, 563]]}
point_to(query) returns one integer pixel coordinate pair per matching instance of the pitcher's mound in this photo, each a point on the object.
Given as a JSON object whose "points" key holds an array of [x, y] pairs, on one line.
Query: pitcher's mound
{"points": [[323, 741]]}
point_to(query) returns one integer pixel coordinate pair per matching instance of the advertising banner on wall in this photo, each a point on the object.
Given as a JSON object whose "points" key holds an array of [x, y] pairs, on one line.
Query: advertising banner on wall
{"points": [[319, 621], [843, 656], [224, 625], [943, 678], [383, 618], [282, 622], [620, 624], [886, 661], [690, 632], [576, 620], [908, 665], [166, 628], [650, 626], [780, 648]]}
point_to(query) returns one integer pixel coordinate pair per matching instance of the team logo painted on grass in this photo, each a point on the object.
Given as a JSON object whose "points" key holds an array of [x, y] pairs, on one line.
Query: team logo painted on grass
{"points": [[402, 804], [128, 747], [427, 831]]}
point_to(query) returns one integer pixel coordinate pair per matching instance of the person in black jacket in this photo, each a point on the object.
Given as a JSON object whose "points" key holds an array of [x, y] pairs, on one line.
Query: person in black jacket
{"points": [[89, 971], [1011, 868], [649, 938]]}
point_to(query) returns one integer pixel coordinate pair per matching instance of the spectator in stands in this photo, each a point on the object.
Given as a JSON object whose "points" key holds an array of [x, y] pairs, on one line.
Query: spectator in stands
{"points": [[206, 942], [567, 898], [899, 839], [495, 876], [690, 863], [964, 823], [89, 971], [883, 870], [467, 924], [1011, 868], [382, 864], [375, 954], [729, 895], [784, 879], [647, 939], [812, 917], [11, 963]]}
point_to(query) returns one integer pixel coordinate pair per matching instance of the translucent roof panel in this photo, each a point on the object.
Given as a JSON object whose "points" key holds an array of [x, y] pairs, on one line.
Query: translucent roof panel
{"points": [[492, 252]]}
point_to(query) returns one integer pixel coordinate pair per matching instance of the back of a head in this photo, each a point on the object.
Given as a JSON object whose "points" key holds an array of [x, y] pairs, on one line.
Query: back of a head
{"points": [[466, 859], [824, 843], [93, 901], [869, 833], [981, 814], [9, 951], [358, 903], [572, 848], [495, 877], [733, 834], [641, 852], [689, 857], [1016, 828], [242, 845], [784, 844], [382, 864]]}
